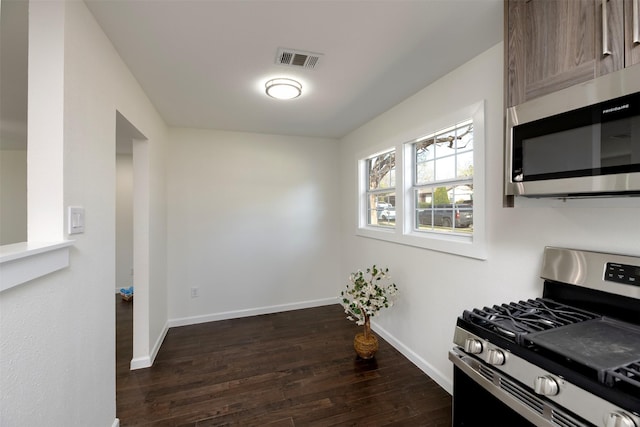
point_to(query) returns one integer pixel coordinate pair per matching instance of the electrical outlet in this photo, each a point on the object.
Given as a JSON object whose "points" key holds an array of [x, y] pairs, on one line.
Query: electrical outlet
{"points": [[194, 292]]}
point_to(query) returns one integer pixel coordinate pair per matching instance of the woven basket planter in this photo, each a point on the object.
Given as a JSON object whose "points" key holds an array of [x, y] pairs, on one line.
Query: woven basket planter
{"points": [[365, 343]]}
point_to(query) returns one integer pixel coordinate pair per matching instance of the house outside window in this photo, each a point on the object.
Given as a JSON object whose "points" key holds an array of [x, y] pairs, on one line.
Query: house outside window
{"points": [[443, 181], [381, 191]]}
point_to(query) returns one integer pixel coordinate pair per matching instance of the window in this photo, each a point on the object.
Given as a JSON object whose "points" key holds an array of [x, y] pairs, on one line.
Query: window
{"points": [[428, 191], [443, 181], [381, 192]]}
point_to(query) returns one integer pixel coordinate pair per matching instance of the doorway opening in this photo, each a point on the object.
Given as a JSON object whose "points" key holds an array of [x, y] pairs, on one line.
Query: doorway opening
{"points": [[131, 160]]}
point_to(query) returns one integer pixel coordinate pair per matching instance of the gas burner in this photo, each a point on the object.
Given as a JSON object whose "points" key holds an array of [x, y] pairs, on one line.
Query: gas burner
{"points": [[505, 332]]}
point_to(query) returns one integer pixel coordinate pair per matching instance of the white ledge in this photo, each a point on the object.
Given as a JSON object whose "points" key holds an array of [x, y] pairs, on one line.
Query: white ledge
{"points": [[22, 262]]}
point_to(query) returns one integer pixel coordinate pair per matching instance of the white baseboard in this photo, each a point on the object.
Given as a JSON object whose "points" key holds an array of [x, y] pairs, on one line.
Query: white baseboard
{"points": [[147, 361], [422, 364], [140, 363], [193, 320], [158, 343], [116, 423]]}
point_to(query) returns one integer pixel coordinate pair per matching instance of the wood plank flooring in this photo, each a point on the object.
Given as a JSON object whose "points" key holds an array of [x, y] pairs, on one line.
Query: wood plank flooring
{"points": [[296, 368]]}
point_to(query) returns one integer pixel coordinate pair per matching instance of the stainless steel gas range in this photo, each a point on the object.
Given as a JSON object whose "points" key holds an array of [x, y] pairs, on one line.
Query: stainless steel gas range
{"points": [[570, 358]]}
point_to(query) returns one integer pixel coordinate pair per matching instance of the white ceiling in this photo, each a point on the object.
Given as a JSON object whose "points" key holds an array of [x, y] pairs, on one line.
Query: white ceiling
{"points": [[204, 63]]}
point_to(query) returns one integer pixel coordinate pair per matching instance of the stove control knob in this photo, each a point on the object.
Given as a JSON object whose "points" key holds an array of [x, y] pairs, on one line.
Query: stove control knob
{"points": [[472, 346], [495, 357], [546, 386], [618, 419]]}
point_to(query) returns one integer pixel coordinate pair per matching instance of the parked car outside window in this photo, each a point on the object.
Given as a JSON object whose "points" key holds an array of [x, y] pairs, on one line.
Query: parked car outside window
{"points": [[386, 212], [447, 215]]}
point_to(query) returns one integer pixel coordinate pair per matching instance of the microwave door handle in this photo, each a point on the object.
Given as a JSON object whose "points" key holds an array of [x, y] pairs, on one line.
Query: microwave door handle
{"points": [[605, 30], [636, 27]]}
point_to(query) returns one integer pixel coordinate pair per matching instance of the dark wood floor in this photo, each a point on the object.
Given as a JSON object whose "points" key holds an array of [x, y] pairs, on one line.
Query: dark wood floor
{"points": [[296, 368]]}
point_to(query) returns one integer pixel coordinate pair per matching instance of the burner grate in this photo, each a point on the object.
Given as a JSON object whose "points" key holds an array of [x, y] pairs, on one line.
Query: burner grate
{"points": [[516, 320], [628, 374]]}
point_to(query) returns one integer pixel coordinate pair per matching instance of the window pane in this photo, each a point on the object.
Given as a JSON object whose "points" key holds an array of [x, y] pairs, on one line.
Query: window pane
{"points": [[424, 150], [392, 178], [424, 211], [445, 168], [465, 165], [381, 209], [382, 173], [461, 194], [444, 216], [465, 135], [424, 172], [446, 144]]}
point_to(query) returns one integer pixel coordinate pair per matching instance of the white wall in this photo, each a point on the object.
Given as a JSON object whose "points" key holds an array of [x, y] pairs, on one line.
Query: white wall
{"points": [[124, 220], [13, 196], [57, 333], [253, 223], [436, 287]]}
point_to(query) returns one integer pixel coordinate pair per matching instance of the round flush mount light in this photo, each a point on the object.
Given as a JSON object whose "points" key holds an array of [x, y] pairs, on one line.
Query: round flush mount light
{"points": [[283, 88]]}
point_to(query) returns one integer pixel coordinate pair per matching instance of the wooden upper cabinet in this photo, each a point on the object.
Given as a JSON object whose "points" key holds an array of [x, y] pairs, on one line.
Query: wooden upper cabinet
{"points": [[554, 44], [632, 32]]}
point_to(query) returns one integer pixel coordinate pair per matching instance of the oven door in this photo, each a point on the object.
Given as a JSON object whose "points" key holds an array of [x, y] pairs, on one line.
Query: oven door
{"points": [[484, 396]]}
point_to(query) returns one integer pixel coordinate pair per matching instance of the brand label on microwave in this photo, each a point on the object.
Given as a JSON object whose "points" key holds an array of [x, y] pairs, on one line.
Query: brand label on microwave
{"points": [[614, 109]]}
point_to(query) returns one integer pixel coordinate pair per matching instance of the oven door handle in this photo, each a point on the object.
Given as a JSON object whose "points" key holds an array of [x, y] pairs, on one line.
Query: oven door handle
{"points": [[470, 366]]}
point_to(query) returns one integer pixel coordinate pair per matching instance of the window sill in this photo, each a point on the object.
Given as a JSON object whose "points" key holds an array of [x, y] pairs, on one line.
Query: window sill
{"points": [[22, 262], [470, 247]]}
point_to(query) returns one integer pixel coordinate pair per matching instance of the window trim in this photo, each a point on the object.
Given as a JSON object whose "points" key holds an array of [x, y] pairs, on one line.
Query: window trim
{"points": [[403, 233]]}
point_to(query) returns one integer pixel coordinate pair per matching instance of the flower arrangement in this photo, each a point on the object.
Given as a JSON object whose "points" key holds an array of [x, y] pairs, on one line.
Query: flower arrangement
{"points": [[367, 293]]}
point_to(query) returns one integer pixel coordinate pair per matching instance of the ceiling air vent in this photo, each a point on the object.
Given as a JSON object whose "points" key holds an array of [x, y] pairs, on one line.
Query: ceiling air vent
{"points": [[297, 58]]}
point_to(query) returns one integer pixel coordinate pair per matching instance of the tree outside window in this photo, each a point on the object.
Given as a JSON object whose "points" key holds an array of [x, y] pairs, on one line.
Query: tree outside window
{"points": [[381, 192]]}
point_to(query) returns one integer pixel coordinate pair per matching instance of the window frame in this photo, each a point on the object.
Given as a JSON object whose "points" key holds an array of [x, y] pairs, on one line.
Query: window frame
{"points": [[412, 162], [378, 191], [404, 232]]}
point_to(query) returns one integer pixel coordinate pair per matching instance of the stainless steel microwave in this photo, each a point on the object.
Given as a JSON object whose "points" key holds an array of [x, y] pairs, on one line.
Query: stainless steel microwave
{"points": [[583, 141]]}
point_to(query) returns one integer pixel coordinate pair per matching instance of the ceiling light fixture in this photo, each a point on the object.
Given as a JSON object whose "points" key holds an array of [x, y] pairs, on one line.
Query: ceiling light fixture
{"points": [[283, 88]]}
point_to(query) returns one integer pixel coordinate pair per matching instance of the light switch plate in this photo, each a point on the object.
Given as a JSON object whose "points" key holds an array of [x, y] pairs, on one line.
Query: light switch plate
{"points": [[76, 220]]}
